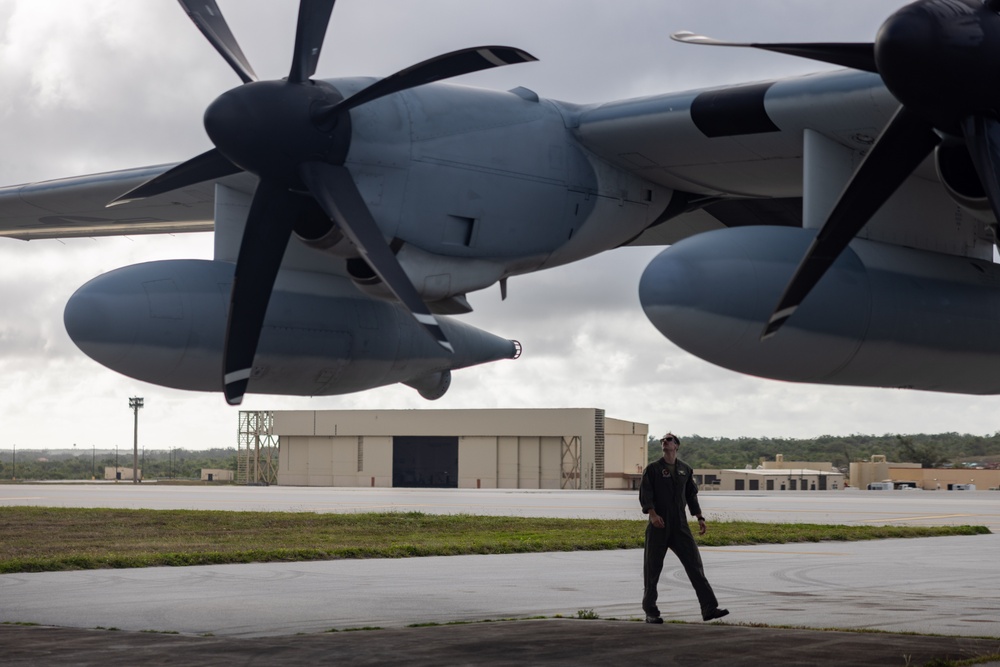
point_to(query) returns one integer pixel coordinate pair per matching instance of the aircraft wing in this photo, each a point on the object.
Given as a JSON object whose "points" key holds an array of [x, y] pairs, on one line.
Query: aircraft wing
{"points": [[778, 153], [721, 214], [735, 155], [77, 207]]}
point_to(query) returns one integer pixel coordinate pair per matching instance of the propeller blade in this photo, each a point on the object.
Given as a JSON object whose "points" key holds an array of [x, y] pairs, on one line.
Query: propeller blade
{"points": [[449, 65], [206, 167], [334, 189], [856, 55], [982, 136], [208, 17], [901, 147], [268, 228], [314, 18]]}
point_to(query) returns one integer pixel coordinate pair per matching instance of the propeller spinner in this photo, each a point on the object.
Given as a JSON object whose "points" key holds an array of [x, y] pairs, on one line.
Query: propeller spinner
{"points": [[295, 134], [939, 60]]}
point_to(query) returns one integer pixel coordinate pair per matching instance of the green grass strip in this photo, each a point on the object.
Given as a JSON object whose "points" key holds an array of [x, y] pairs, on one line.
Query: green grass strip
{"points": [[37, 539]]}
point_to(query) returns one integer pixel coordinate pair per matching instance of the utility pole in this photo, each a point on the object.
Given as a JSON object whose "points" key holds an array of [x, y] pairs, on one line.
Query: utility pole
{"points": [[135, 403], [13, 463]]}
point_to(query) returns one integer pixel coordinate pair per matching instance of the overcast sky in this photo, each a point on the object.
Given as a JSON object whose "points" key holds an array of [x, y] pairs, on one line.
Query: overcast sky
{"points": [[95, 85]]}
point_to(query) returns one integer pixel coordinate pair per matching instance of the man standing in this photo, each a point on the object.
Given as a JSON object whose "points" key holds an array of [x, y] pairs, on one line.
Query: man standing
{"points": [[667, 487]]}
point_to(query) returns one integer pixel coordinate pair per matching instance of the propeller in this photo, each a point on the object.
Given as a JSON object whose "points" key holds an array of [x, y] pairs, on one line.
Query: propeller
{"points": [[207, 16], [294, 134], [208, 166], [854, 55], [940, 63]]}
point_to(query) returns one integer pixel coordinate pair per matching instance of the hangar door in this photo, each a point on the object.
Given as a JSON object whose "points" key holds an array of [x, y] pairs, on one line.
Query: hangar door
{"points": [[425, 461]]}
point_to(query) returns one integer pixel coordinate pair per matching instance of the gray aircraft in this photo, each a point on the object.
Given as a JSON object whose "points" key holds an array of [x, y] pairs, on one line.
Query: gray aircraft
{"points": [[855, 211]]}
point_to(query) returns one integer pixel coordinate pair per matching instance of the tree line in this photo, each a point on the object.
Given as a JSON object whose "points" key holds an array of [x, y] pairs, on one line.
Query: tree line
{"points": [[47, 464], [930, 450]]}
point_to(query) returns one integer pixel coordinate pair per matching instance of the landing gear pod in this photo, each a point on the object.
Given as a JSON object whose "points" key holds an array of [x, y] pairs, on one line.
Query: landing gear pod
{"points": [[883, 316]]}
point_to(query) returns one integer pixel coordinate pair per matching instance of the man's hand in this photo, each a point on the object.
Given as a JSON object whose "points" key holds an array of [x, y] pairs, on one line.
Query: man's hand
{"points": [[656, 519], [702, 528]]}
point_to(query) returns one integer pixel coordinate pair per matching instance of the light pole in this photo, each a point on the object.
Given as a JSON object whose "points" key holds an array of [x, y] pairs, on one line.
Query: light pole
{"points": [[93, 462], [135, 403], [13, 463]]}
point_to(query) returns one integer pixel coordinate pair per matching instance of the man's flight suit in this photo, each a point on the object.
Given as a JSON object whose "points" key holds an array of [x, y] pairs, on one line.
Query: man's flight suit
{"points": [[668, 495]]}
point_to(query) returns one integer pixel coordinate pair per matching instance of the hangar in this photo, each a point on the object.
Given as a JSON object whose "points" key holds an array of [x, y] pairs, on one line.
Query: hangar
{"points": [[574, 448]]}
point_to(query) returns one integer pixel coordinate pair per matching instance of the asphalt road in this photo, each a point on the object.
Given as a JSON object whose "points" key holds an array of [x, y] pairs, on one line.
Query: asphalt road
{"points": [[936, 585]]}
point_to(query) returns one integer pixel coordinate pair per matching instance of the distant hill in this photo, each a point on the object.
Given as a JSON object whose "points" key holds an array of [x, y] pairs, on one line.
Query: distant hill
{"points": [[55, 464]]}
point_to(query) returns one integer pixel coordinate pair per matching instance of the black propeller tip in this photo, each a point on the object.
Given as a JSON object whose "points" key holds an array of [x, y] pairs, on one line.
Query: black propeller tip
{"points": [[236, 386], [207, 16], [776, 322]]}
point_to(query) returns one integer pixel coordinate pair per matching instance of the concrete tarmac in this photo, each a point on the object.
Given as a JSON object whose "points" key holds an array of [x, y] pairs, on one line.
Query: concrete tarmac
{"points": [[850, 506], [255, 613]]}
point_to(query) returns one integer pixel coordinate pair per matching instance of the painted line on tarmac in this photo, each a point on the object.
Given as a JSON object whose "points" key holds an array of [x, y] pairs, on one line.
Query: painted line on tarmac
{"points": [[466, 507], [818, 510], [731, 550], [922, 518], [903, 516]]}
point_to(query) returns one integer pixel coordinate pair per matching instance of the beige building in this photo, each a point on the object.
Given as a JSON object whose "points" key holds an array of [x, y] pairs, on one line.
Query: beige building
{"points": [[217, 475], [775, 479], [864, 473], [945, 479], [120, 472], [913, 475], [777, 475], [491, 449], [779, 463]]}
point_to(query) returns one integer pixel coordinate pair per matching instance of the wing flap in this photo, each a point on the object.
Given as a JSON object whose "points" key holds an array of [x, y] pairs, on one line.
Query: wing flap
{"points": [[77, 207]]}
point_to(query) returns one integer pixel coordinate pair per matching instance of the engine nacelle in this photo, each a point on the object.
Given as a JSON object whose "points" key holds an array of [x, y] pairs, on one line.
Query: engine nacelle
{"points": [[436, 277], [883, 315], [165, 322], [960, 180], [328, 239]]}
